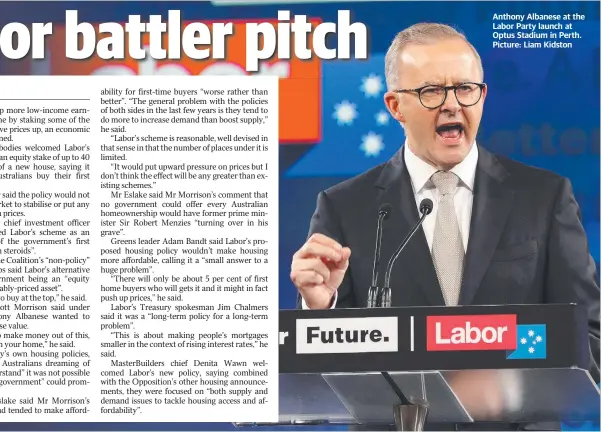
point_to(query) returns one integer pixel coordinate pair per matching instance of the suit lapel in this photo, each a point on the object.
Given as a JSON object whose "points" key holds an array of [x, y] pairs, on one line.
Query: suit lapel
{"points": [[491, 207], [394, 185]]}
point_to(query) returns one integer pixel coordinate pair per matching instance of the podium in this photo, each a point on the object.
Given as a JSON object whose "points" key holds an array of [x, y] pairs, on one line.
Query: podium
{"points": [[467, 364]]}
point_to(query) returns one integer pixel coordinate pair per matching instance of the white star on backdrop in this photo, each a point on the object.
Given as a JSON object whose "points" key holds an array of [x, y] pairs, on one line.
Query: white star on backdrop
{"points": [[531, 350], [539, 339], [523, 341], [372, 144], [372, 85], [345, 112], [530, 333], [382, 118]]}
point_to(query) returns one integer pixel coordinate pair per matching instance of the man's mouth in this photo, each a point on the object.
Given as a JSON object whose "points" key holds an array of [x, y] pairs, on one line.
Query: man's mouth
{"points": [[450, 131]]}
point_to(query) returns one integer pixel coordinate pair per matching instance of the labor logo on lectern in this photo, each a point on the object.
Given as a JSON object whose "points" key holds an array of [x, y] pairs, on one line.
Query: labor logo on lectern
{"points": [[486, 333]]}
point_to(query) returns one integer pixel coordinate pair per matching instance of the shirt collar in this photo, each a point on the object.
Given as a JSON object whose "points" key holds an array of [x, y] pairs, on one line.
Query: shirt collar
{"points": [[420, 171]]}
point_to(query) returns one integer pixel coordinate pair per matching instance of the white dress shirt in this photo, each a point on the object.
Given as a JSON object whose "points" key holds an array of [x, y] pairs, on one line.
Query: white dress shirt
{"points": [[420, 173]]}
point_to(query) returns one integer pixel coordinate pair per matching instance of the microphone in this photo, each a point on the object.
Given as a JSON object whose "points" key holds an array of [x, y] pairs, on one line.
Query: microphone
{"points": [[383, 214], [425, 208]]}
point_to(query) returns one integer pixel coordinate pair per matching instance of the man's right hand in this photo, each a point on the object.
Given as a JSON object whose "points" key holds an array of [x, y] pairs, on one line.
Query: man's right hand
{"points": [[318, 269]]}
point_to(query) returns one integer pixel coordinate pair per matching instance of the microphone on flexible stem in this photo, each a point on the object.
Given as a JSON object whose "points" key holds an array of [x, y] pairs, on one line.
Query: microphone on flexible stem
{"points": [[383, 214], [425, 208]]}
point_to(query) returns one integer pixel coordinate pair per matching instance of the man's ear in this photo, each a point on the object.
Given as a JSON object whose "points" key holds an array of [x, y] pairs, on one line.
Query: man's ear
{"points": [[393, 105]]}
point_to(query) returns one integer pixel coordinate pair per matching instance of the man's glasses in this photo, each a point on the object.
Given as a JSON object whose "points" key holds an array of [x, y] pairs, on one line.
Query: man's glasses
{"points": [[433, 96]]}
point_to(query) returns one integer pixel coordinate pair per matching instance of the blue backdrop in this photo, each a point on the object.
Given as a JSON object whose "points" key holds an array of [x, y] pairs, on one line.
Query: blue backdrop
{"points": [[542, 107]]}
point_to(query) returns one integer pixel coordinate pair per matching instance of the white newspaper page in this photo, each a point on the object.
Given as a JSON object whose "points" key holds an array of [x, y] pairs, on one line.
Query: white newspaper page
{"points": [[139, 249]]}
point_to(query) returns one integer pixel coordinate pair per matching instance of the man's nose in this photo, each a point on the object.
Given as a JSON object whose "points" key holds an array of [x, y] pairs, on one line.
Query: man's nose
{"points": [[451, 104]]}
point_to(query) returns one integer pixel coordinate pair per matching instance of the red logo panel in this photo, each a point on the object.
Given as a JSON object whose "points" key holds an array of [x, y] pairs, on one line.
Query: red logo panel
{"points": [[471, 332]]}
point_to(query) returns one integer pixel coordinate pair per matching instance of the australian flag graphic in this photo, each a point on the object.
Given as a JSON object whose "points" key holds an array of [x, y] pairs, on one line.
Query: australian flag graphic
{"points": [[531, 343]]}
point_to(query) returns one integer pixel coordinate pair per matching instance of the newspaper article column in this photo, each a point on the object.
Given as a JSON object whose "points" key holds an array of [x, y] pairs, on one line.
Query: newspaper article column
{"points": [[161, 203], [47, 285], [188, 214]]}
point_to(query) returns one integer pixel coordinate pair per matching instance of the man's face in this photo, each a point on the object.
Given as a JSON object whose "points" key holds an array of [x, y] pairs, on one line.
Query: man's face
{"points": [[442, 136]]}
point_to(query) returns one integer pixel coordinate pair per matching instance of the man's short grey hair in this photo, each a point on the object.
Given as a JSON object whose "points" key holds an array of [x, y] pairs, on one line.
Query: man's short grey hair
{"points": [[420, 34]]}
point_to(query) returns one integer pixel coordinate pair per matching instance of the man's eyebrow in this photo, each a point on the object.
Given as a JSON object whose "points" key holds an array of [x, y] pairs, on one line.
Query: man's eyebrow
{"points": [[441, 84], [428, 83]]}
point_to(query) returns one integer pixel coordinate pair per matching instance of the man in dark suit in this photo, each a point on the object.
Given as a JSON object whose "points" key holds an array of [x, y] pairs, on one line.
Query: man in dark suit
{"points": [[500, 232]]}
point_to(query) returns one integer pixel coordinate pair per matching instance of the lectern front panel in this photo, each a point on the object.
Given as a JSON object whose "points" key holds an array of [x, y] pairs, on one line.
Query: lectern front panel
{"points": [[369, 397], [526, 395], [307, 398]]}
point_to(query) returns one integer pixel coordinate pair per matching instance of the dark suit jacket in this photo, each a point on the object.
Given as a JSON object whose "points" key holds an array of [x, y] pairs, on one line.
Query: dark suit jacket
{"points": [[526, 243]]}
